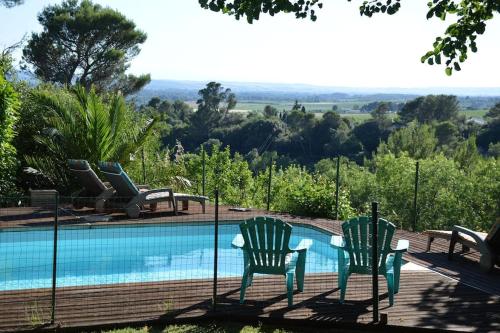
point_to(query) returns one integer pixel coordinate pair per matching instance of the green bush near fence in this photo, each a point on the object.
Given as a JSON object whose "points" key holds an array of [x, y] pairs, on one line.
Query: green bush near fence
{"points": [[449, 192], [9, 108]]}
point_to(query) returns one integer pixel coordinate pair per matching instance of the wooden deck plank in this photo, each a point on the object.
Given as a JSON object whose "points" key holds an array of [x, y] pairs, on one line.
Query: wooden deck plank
{"points": [[426, 299]]}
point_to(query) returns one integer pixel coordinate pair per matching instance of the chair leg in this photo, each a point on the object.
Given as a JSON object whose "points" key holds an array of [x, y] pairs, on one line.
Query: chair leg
{"points": [[250, 280], [397, 271], [244, 285], [341, 267], [486, 262], [133, 211], [289, 287], [430, 239], [390, 288], [453, 241], [343, 286], [174, 203], [300, 270]]}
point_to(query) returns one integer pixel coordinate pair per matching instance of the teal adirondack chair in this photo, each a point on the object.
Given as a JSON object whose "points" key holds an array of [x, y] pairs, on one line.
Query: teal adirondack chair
{"points": [[355, 253], [264, 241]]}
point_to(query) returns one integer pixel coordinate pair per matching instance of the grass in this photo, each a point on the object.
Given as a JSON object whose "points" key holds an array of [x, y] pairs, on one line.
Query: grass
{"points": [[228, 327], [34, 314], [209, 328]]}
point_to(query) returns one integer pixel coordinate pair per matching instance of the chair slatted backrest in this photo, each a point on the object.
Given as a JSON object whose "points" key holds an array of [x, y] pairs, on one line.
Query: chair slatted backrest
{"points": [[266, 244], [119, 179], [358, 239], [493, 238], [87, 177]]}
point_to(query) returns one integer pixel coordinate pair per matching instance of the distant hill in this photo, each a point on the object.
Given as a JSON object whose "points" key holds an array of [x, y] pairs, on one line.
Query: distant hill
{"points": [[254, 91]]}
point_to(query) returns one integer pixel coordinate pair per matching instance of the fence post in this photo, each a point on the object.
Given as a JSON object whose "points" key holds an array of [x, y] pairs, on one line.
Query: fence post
{"points": [[375, 261], [203, 171], [415, 214], [337, 189], [54, 258], [216, 252], [269, 184], [143, 167]]}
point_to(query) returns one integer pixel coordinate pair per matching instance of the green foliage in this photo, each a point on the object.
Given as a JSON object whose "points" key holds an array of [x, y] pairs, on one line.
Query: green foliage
{"points": [[87, 44], [82, 125], [213, 107], [430, 108], [232, 177], [466, 154], [9, 108], [494, 112], [418, 141], [299, 192], [252, 9], [494, 149], [446, 133], [11, 3]]}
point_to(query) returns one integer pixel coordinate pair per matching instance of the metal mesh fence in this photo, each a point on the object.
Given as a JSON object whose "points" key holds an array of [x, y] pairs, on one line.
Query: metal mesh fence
{"points": [[111, 268]]}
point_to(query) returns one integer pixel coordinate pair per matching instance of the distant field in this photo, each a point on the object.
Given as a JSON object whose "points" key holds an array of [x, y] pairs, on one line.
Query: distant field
{"points": [[345, 108], [474, 113], [342, 106]]}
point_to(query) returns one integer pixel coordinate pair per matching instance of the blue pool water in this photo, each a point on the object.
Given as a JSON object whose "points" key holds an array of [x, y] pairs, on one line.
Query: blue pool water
{"points": [[134, 253]]}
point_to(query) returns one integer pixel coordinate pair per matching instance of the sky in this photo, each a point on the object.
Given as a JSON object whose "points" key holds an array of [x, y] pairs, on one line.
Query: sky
{"points": [[342, 48]]}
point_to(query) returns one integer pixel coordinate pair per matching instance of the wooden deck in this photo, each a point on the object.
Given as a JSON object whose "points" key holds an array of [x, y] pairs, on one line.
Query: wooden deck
{"points": [[448, 296]]}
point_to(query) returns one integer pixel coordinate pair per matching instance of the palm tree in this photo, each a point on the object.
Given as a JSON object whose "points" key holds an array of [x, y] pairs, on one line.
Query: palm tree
{"points": [[82, 125]]}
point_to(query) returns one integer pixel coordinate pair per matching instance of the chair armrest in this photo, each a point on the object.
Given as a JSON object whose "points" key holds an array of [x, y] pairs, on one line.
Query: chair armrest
{"points": [[238, 242], [402, 246], [337, 242], [468, 232], [480, 241], [304, 245]]}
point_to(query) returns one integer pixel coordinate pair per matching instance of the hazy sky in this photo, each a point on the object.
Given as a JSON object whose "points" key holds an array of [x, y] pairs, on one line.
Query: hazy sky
{"points": [[341, 48]]}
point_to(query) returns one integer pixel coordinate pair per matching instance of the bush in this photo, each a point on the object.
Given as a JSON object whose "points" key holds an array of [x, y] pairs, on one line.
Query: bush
{"points": [[9, 107]]}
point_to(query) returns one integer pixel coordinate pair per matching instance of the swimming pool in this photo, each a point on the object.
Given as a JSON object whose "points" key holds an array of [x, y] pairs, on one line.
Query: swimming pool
{"points": [[95, 255]]}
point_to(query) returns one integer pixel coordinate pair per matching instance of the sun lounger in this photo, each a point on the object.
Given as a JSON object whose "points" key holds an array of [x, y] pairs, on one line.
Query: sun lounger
{"points": [[135, 197], [94, 192], [488, 244]]}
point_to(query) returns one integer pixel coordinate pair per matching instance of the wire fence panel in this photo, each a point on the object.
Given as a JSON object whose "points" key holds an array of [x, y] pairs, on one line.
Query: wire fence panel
{"points": [[26, 261], [70, 262]]}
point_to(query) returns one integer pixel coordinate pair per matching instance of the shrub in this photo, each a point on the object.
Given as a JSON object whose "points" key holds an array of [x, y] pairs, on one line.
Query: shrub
{"points": [[9, 107]]}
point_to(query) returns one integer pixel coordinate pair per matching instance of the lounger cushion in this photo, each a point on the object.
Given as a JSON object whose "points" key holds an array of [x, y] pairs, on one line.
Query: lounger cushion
{"points": [[192, 197], [119, 179], [87, 178], [81, 165], [157, 196]]}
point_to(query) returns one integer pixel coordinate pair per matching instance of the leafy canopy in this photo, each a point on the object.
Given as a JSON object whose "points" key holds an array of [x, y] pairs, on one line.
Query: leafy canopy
{"points": [[453, 46], [82, 125], [9, 109], [11, 3], [87, 44]]}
